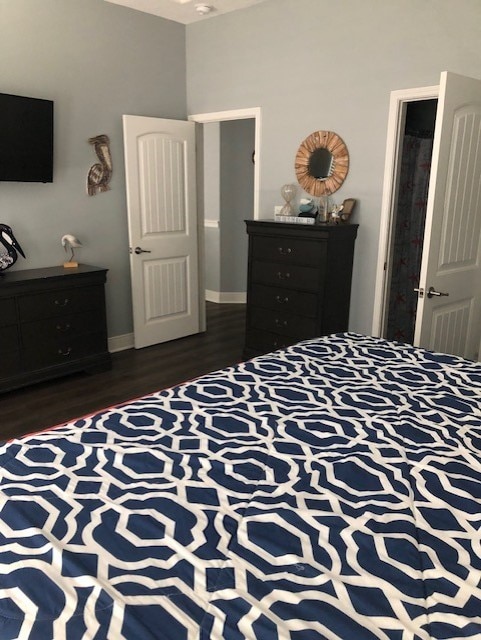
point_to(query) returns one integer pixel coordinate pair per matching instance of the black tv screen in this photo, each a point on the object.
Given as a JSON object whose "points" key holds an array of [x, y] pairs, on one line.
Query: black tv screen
{"points": [[26, 139]]}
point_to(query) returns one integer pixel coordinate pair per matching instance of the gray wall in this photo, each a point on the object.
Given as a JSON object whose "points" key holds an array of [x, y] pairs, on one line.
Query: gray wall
{"points": [[237, 200], [309, 64], [318, 64], [97, 61]]}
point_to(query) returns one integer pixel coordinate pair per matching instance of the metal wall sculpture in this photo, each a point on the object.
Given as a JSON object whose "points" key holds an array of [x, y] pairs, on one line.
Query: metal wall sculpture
{"points": [[99, 175]]}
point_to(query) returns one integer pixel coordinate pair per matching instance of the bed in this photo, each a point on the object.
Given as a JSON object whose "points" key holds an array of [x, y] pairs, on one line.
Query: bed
{"points": [[328, 490]]}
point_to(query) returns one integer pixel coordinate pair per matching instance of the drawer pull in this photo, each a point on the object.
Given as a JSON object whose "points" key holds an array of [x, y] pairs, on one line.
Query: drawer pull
{"points": [[63, 328], [283, 276], [66, 352], [62, 303], [285, 252], [280, 300], [281, 323]]}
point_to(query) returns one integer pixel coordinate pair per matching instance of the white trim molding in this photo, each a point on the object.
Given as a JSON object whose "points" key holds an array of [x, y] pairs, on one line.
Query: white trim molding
{"points": [[126, 341], [211, 224], [121, 343], [226, 297], [240, 114]]}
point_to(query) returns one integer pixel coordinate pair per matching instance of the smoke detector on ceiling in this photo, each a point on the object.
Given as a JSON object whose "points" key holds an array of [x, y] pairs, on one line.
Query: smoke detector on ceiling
{"points": [[203, 8]]}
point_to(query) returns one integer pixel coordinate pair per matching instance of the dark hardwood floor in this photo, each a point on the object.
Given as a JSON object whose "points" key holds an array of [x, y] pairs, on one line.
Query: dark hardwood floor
{"points": [[134, 373]]}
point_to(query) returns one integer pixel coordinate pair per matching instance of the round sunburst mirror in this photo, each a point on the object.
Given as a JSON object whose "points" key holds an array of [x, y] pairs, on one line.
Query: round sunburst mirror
{"points": [[322, 163]]}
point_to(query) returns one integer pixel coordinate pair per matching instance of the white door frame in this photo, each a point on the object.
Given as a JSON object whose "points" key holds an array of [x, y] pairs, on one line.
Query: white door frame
{"points": [[240, 114], [222, 116], [394, 136]]}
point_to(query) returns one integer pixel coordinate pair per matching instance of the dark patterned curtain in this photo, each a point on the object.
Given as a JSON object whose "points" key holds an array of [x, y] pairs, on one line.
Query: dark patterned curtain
{"points": [[409, 234]]}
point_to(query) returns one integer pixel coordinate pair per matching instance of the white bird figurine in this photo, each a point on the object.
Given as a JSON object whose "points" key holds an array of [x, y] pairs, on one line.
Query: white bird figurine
{"points": [[70, 242]]}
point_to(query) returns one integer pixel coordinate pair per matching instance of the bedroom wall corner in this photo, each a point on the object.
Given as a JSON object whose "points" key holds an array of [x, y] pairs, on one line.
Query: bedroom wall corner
{"points": [[314, 64], [96, 61]]}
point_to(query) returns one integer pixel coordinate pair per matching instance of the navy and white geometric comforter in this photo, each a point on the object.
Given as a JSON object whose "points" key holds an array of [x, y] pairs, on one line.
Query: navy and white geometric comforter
{"points": [[331, 490]]}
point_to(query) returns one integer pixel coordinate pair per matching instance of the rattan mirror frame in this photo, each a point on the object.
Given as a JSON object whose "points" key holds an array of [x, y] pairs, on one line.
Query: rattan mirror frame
{"points": [[340, 163]]}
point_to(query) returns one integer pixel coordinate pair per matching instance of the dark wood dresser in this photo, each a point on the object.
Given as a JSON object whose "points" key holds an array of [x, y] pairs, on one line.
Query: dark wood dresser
{"points": [[299, 282], [52, 322]]}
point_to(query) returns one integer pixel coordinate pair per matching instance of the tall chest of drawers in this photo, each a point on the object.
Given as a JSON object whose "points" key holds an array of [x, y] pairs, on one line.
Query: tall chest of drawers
{"points": [[52, 322], [299, 282]]}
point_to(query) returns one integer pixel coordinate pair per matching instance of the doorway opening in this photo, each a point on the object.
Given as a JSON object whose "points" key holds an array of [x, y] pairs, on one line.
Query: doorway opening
{"points": [[227, 201], [408, 220], [228, 193], [406, 182]]}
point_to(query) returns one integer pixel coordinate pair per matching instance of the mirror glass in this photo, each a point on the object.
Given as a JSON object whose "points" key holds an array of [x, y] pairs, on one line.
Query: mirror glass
{"points": [[320, 163]]}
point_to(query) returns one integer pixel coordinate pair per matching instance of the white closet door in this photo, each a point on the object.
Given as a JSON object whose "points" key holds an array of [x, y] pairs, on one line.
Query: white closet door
{"points": [[452, 243]]}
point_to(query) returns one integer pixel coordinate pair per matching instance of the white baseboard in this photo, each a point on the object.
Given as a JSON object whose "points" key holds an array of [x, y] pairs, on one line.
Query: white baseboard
{"points": [[126, 341], [211, 224], [226, 297], [121, 343]]}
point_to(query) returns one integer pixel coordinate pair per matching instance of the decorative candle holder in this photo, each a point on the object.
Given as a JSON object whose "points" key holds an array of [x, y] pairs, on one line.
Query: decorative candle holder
{"points": [[288, 191], [324, 208]]}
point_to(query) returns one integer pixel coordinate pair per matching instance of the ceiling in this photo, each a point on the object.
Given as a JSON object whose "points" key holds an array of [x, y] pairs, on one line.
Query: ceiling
{"points": [[185, 11]]}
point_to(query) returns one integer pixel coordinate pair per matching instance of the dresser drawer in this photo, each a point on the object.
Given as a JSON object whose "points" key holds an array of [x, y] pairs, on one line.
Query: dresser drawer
{"points": [[283, 323], [287, 276], [52, 323], [11, 364], [60, 302], [8, 315], [60, 328], [64, 350], [287, 250], [300, 302], [265, 341], [8, 341]]}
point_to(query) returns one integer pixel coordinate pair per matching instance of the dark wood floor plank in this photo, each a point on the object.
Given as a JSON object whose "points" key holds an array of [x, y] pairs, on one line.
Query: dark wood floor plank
{"points": [[134, 373]]}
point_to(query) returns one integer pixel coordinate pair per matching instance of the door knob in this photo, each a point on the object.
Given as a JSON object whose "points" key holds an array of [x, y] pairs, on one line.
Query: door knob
{"points": [[432, 292], [140, 250]]}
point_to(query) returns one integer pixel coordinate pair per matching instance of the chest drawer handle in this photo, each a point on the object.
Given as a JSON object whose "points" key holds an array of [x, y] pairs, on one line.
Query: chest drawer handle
{"points": [[280, 300], [283, 276], [65, 352], [63, 328], [62, 303], [285, 252], [281, 323]]}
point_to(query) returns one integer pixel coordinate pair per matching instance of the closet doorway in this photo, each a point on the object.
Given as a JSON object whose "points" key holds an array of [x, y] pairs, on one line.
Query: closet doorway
{"points": [[446, 312], [409, 217], [411, 111]]}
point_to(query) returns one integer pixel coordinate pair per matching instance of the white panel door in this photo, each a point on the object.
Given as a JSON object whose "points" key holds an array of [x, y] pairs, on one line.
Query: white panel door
{"points": [[451, 261], [161, 202]]}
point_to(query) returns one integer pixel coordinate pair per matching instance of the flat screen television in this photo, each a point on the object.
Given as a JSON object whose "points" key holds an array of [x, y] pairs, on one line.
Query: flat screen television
{"points": [[26, 139]]}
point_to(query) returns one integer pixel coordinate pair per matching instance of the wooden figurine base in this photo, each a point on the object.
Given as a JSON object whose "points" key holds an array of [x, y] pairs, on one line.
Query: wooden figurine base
{"points": [[70, 265]]}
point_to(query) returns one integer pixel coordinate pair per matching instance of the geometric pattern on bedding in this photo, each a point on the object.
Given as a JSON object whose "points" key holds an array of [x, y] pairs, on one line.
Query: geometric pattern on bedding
{"points": [[330, 490]]}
